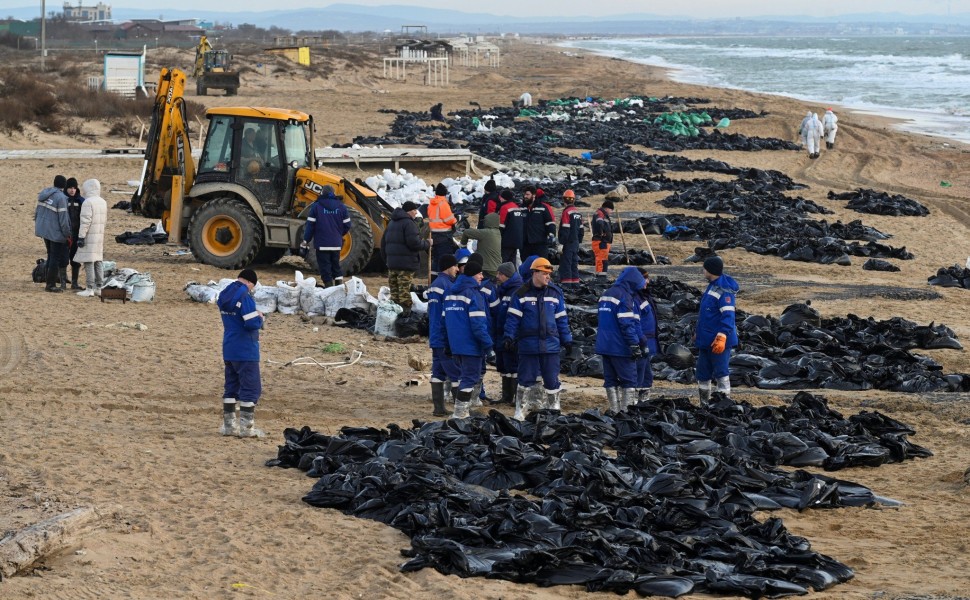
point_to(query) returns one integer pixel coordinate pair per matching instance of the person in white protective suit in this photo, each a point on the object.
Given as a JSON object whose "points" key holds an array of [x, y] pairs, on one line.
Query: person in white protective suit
{"points": [[803, 128], [812, 134], [830, 124]]}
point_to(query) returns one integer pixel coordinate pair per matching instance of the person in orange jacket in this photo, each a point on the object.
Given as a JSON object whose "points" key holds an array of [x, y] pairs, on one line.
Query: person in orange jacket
{"points": [[442, 221]]}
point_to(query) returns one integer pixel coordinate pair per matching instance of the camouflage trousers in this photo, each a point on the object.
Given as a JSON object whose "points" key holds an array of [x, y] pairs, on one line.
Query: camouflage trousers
{"points": [[400, 284]]}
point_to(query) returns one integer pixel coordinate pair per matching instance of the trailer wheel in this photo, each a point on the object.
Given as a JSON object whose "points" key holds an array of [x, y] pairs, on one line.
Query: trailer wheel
{"points": [[225, 233]]}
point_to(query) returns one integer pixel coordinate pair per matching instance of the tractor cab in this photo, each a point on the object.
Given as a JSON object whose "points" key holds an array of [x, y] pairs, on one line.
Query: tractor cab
{"points": [[259, 150], [217, 61]]}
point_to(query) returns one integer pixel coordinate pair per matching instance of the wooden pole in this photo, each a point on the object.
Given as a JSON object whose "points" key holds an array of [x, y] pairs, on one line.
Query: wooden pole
{"points": [[647, 241], [430, 248], [619, 220]]}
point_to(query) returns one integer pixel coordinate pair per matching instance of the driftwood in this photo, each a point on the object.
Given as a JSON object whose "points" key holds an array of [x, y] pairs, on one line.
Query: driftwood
{"points": [[23, 548]]}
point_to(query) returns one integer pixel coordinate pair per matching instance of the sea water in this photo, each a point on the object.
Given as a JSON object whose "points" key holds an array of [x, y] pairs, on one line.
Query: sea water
{"points": [[924, 80]]}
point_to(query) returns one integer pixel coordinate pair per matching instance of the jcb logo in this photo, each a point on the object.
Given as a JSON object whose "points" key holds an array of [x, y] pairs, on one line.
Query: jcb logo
{"points": [[313, 186]]}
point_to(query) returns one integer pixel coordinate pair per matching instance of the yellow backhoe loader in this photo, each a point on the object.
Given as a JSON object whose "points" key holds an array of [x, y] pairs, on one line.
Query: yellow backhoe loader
{"points": [[246, 201], [213, 70]]}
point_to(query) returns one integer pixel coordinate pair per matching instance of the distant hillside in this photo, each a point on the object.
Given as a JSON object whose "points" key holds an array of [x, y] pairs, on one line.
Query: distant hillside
{"points": [[349, 17]]}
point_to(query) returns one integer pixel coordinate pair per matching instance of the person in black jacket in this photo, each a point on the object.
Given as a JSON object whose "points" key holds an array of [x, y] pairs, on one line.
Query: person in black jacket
{"points": [[490, 202], [540, 225], [570, 236], [74, 201], [602, 238], [400, 248]]}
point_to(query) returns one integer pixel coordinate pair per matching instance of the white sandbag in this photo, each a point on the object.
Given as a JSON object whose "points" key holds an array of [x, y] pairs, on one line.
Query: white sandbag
{"points": [[417, 305], [358, 296], [206, 294], [383, 295], [265, 297], [387, 313], [141, 286], [287, 297], [311, 301], [334, 298]]}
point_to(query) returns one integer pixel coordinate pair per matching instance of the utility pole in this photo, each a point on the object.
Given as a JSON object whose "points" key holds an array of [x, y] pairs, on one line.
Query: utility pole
{"points": [[43, 34]]}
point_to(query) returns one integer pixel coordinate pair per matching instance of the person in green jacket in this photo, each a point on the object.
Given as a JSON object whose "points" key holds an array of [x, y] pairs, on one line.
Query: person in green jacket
{"points": [[489, 243]]}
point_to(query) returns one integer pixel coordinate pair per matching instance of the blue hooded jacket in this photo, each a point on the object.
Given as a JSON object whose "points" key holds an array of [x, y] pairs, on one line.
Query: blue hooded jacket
{"points": [[241, 323], [525, 269], [648, 322], [716, 313], [500, 311], [436, 299], [466, 318], [327, 223], [619, 315], [537, 319]]}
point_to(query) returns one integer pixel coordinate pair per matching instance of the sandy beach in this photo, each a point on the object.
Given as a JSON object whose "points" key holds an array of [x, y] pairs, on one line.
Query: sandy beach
{"points": [[95, 413]]}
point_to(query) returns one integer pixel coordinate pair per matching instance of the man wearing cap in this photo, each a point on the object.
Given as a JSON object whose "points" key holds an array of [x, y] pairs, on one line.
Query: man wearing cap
{"points": [[53, 225], [490, 202], [443, 368], [511, 219], [537, 326], [506, 362], [241, 323], [602, 238], [489, 243], [400, 248], [466, 327], [570, 236], [716, 332], [618, 338], [442, 222], [540, 224], [326, 225]]}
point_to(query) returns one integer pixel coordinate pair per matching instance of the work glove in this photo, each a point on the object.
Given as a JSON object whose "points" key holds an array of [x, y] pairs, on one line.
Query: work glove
{"points": [[508, 344], [568, 347], [304, 249], [636, 352], [80, 242], [551, 241], [720, 341], [70, 241], [489, 354]]}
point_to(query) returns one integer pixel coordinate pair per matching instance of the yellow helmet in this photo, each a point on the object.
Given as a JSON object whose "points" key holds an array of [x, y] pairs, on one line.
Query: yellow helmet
{"points": [[541, 264]]}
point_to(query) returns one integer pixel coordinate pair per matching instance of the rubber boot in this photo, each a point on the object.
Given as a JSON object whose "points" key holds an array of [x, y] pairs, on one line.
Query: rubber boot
{"points": [[462, 402], [438, 398], [230, 426], [552, 400], [626, 398], [521, 393], [643, 396], [476, 401], [75, 267], [453, 396], [724, 385], [62, 273], [247, 421], [327, 284], [613, 398], [338, 280], [534, 400], [704, 391]]}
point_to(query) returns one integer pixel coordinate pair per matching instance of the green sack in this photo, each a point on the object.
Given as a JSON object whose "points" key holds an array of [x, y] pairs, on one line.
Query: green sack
{"points": [[723, 123]]}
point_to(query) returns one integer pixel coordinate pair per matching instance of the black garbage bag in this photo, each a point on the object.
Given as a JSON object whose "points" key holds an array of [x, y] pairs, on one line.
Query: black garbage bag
{"points": [[411, 324], [875, 264], [39, 274]]}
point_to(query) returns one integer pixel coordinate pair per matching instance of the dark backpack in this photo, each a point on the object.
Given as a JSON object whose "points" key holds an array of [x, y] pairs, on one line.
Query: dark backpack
{"points": [[39, 275]]}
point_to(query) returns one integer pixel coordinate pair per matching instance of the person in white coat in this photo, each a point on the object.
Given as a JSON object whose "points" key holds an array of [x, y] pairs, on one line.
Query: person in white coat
{"points": [[830, 124], [803, 128], [90, 242], [812, 133]]}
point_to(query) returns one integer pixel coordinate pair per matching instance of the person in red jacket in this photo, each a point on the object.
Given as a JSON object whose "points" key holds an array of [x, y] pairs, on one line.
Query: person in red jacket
{"points": [[442, 222], [602, 238], [570, 236]]}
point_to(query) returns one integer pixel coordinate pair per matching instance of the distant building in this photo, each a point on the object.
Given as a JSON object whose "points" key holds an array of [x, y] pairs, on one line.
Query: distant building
{"points": [[101, 12]]}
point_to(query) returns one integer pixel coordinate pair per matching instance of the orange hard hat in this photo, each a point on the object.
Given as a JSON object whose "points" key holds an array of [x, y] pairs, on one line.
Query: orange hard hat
{"points": [[569, 194], [541, 264]]}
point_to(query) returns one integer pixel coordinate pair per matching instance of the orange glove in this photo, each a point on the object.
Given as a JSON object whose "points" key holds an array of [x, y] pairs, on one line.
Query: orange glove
{"points": [[720, 340]]}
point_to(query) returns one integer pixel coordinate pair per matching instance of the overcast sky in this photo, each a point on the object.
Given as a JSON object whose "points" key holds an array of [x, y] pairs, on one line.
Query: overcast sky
{"points": [[571, 8]]}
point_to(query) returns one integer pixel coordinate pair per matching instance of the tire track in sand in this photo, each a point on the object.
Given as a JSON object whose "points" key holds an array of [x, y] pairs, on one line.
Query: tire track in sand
{"points": [[11, 351]]}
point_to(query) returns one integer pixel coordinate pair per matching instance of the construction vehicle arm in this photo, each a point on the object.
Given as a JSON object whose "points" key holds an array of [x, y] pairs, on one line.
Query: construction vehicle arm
{"points": [[168, 152], [200, 50]]}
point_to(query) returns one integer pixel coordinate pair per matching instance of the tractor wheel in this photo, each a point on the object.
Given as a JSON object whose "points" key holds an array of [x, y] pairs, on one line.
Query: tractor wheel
{"points": [[357, 249], [225, 233], [199, 88], [230, 91], [269, 256]]}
